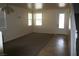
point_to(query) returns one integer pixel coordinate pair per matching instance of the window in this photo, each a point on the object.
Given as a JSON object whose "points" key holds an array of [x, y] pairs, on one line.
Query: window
{"points": [[29, 19], [38, 19], [38, 6], [62, 4], [61, 20]]}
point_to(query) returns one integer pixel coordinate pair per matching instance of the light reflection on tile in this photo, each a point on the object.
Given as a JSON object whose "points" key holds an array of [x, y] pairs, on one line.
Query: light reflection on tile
{"points": [[60, 43]]}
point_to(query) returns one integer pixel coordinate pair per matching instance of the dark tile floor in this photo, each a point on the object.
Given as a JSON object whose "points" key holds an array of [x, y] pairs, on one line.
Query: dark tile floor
{"points": [[57, 46], [38, 44]]}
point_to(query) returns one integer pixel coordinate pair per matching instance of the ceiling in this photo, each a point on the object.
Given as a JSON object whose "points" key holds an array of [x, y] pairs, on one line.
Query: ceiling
{"points": [[45, 5]]}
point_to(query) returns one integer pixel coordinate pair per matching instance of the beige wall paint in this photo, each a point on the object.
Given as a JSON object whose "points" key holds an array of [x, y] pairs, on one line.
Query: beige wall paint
{"points": [[50, 22], [17, 24]]}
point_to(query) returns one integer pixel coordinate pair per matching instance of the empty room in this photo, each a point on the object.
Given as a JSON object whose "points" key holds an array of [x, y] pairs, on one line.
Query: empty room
{"points": [[36, 29]]}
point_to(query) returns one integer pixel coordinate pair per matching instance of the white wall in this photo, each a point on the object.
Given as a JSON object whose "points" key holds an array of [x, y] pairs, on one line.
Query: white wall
{"points": [[17, 24], [1, 44], [73, 35], [50, 22]]}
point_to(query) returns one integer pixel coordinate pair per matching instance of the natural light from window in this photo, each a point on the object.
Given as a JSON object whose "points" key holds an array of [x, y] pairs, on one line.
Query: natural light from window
{"points": [[69, 23], [29, 19], [61, 20], [38, 19], [38, 6], [62, 4]]}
